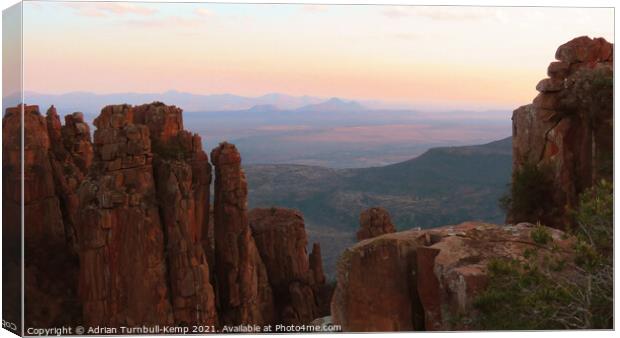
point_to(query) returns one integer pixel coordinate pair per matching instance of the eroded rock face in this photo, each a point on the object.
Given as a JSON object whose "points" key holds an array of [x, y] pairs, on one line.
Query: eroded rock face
{"points": [[149, 185], [72, 155], [244, 293], [425, 279], [374, 222], [182, 178], [133, 206], [281, 239], [121, 242], [52, 298], [568, 129]]}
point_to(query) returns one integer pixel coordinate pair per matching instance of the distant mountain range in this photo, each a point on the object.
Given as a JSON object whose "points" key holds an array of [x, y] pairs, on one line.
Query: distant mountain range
{"points": [[445, 185], [91, 103]]}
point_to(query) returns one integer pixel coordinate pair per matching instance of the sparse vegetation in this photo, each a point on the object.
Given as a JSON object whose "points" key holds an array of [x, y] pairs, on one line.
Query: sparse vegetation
{"points": [[547, 291], [541, 235], [171, 150]]}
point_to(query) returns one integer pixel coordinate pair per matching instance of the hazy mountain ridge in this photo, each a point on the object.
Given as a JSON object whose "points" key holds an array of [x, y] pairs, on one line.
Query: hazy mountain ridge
{"points": [[91, 103]]}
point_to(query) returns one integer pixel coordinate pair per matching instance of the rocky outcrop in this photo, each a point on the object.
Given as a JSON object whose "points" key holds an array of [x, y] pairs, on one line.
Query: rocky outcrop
{"points": [[72, 155], [52, 298], [374, 222], [244, 293], [132, 229], [567, 130], [182, 178], [120, 237], [149, 185], [426, 279], [281, 240]]}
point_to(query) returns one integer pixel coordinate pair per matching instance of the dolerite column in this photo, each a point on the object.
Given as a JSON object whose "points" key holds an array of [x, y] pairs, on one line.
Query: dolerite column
{"points": [[183, 176], [243, 287], [120, 238]]}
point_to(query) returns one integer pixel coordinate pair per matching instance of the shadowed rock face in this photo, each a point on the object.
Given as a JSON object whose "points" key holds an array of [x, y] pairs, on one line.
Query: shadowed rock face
{"points": [[567, 130], [423, 279], [244, 293], [281, 240], [49, 204], [374, 222]]}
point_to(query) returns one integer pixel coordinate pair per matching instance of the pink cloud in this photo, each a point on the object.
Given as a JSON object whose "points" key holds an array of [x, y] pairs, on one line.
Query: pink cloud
{"points": [[203, 12], [103, 9], [439, 13]]}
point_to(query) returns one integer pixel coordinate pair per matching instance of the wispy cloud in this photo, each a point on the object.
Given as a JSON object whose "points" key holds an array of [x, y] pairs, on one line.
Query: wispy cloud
{"points": [[170, 21], [198, 17], [204, 12], [315, 8], [438, 13], [104, 9], [406, 36]]}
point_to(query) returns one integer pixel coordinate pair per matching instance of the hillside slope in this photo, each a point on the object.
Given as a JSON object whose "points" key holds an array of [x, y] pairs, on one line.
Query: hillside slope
{"points": [[446, 185]]}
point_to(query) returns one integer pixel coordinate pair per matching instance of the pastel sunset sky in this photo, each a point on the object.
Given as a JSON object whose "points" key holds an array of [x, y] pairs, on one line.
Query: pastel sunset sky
{"points": [[466, 57]]}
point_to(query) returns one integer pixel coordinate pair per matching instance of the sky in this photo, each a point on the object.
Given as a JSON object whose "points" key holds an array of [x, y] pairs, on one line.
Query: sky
{"points": [[446, 57]]}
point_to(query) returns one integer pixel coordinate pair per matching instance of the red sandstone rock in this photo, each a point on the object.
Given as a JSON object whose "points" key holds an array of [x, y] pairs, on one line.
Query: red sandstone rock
{"points": [[424, 279], [71, 154], [374, 222], [123, 268], [316, 264], [182, 181], [566, 129], [142, 184], [243, 286], [281, 240], [51, 299], [584, 49]]}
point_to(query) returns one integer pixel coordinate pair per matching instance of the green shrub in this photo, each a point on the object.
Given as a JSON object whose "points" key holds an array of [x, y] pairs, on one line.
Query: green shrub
{"points": [[520, 296], [541, 235], [530, 194]]}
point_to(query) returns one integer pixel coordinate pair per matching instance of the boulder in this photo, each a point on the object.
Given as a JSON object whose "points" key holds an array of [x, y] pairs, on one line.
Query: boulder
{"points": [[427, 279], [374, 222]]}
